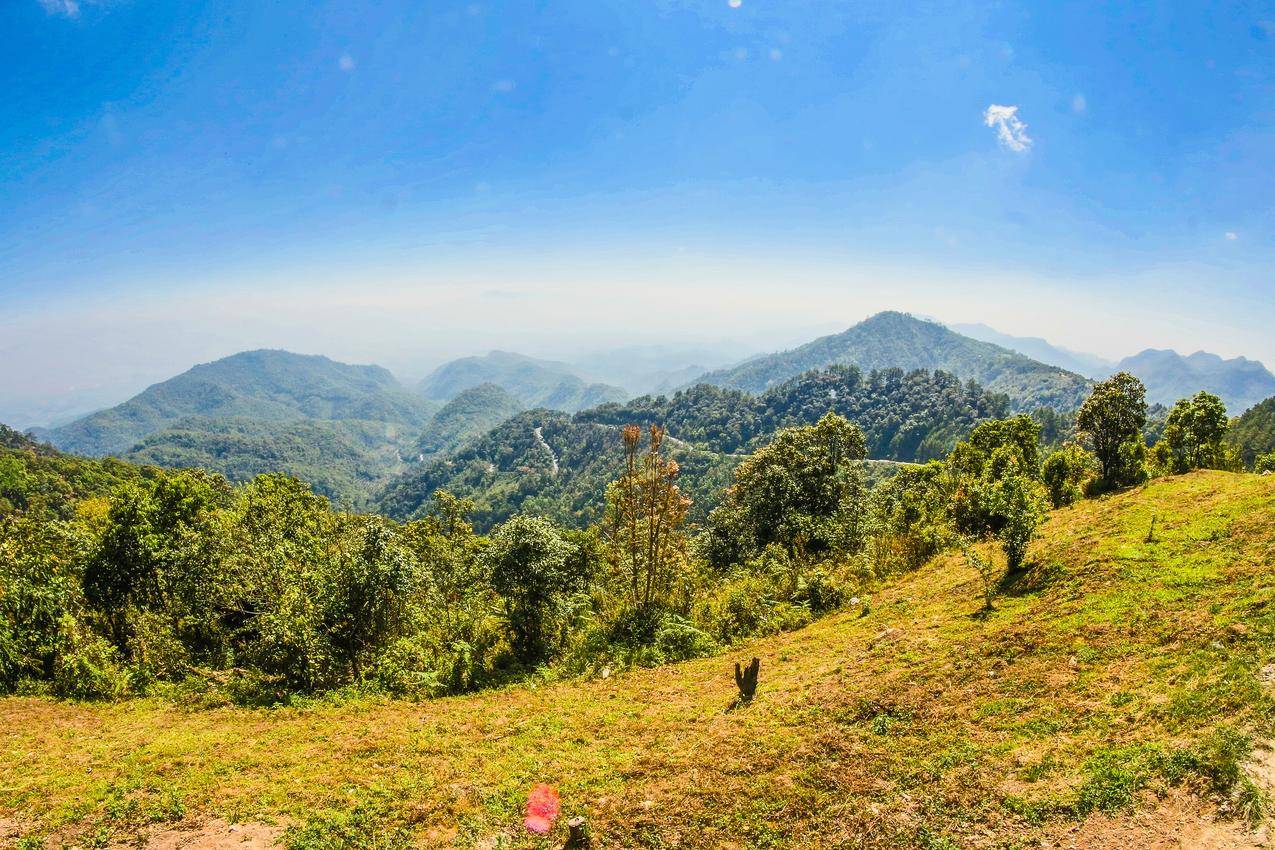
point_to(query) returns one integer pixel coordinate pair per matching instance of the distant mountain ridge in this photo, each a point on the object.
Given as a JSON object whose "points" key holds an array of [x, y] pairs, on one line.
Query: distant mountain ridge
{"points": [[898, 340], [535, 383], [266, 384], [1239, 382], [1082, 363]]}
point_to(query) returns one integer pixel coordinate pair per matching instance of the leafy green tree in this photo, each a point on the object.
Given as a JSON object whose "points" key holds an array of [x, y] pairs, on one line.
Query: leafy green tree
{"points": [[1112, 418], [910, 520], [159, 551], [529, 562], [369, 595], [997, 492], [803, 492], [1195, 435], [1264, 463], [1020, 504], [1065, 472]]}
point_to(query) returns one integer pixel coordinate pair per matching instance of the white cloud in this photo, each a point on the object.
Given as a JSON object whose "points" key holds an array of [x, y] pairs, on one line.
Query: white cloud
{"points": [[66, 8], [346, 63], [1011, 131], [1079, 104], [1231, 236]]}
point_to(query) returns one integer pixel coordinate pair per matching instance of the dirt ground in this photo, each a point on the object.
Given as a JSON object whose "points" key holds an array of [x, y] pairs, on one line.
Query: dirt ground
{"points": [[208, 835]]}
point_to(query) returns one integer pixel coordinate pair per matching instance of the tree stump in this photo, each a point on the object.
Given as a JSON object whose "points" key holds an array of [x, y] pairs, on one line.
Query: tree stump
{"points": [[746, 679], [578, 837]]}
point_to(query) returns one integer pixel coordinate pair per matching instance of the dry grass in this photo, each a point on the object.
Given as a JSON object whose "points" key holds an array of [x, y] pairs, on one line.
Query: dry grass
{"points": [[1114, 668]]}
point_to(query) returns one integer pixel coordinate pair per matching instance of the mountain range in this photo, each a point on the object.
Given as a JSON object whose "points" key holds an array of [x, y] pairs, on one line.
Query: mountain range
{"points": [[490, 426], [559, 465], [1168, 376], [1089, 365], [533, 382]]}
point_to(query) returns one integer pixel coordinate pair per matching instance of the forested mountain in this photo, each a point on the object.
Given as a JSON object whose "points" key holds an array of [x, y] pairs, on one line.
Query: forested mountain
{"points": [[535, 383], [39, 479], [276, 386], [1239, 382], [472, 413], [558, 465], [890, 340], [1089, 365], [1253, 432], [543, 462], [346, 460]]}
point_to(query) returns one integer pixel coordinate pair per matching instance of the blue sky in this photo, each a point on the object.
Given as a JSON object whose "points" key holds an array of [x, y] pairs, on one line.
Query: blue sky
{"points": [[403, 181]]}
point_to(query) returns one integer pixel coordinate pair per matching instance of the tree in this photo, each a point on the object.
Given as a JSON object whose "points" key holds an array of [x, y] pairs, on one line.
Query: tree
{"points": [[1065, 472], [804, 492], [529, 562], [1113, 417], [1020, 504], [1195, 435], [646, 512], [369, 593]]}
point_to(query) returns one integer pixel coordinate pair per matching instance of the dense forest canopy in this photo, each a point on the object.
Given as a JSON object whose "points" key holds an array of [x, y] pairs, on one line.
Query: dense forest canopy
{"points": [[558, 465]]}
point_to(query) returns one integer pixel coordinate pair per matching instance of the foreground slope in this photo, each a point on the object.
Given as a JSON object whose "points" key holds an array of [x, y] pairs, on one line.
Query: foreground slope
{"points": [[898, 340], [1104, 703]]}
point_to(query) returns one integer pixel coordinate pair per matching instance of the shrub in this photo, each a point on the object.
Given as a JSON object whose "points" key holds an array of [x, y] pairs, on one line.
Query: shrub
{"points": [[87, 667], [1065, 473]]}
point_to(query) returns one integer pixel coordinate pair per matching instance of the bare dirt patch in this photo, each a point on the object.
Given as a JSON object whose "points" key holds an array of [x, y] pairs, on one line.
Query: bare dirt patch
{"points": [[208, 835], [1177, 822]]}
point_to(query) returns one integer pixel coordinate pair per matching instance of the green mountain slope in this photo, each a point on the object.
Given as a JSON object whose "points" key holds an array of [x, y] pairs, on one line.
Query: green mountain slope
{"points": [[535, 383], [344, 459], [37, 477], [558, 465], [267, 385], [1110, 700], [544, 462], [1239, 382], [890, 340], [1254, 431], [470, 414]]}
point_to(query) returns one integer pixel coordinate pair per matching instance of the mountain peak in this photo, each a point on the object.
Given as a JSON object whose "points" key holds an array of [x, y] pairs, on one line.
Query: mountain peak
{"points": [[894, 339]]}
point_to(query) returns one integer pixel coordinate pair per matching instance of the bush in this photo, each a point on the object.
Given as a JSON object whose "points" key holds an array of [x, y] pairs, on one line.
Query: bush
{"points": [[88, 666], [1065, 473], [678, 640], [1264, 463], [155, 652]]}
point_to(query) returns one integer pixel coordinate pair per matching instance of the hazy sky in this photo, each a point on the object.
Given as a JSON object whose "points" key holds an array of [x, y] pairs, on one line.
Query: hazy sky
{"points": [[399, 182]]}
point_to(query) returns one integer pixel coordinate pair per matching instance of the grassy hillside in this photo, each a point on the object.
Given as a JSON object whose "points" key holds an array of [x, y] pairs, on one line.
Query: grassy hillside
{"points": [[1108, 701], [897, 340], [535, 383], [263, 385]]}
